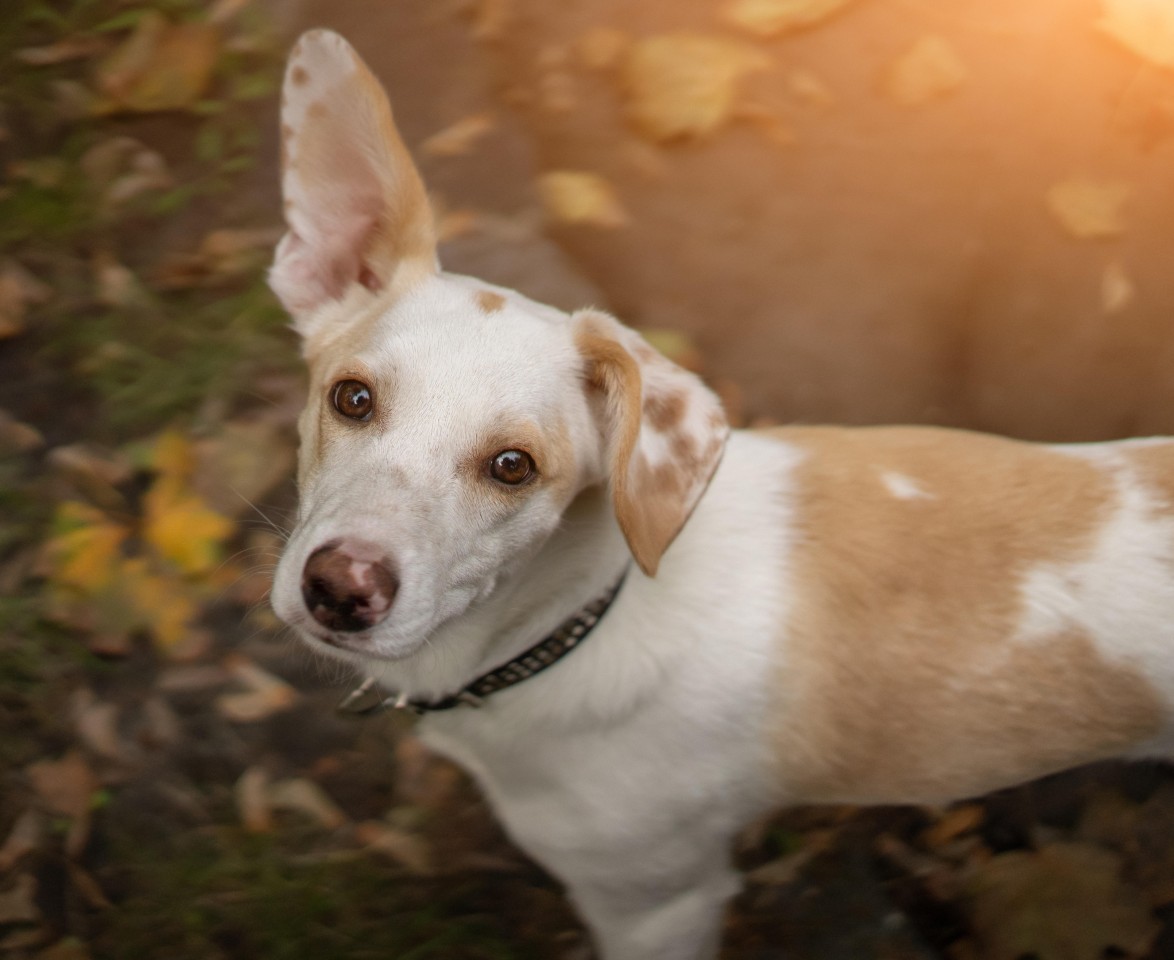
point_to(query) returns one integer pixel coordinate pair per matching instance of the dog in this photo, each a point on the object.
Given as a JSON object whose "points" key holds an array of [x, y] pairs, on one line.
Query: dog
{"points": [[640, 630]]}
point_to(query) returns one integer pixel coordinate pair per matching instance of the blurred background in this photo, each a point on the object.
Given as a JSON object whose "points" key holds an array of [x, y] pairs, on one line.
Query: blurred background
{"points": [[851, 211]]}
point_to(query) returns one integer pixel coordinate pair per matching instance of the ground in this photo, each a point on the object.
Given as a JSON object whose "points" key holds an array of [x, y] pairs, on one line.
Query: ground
{"points": [[947, 214]]}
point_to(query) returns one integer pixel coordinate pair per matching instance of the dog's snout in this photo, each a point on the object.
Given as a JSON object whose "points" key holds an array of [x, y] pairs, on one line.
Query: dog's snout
{"points": [[348, 585]]}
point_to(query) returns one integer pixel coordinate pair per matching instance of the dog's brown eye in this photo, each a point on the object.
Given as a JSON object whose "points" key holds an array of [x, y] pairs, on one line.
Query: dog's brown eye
{"points": [[512, 467], [352, 398]]}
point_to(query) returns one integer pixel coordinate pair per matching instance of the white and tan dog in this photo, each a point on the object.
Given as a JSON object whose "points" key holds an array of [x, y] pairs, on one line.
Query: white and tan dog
{"points": [[816, 615]]}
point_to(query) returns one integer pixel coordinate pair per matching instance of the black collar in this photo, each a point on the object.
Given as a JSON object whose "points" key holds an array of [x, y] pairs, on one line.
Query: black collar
{"points": [[366, 698]]}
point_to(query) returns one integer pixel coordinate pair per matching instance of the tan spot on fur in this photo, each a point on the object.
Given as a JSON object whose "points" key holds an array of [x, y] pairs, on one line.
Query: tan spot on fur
{"points": [[1154, 464], [905, 679], [665, 410], [298, 76], [489, 301]]}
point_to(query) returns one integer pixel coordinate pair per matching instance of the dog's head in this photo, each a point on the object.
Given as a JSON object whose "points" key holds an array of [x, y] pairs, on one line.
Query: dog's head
{"points": [[450, 423]]}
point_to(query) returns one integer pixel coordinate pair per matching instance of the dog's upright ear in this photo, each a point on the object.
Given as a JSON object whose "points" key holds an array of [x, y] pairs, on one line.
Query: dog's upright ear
{"points": [[664, 433], [355, 206]]}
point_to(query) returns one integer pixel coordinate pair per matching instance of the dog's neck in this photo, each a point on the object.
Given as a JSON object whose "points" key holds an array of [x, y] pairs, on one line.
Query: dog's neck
{"points": [[583, 558]]}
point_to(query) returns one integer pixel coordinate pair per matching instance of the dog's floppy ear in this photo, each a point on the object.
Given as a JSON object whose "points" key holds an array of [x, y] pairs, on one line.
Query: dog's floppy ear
{"points": [[664, 433], [355, 207]]}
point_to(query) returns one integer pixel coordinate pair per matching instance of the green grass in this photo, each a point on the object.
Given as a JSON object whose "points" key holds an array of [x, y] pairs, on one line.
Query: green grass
{"points": [[231, 895]]}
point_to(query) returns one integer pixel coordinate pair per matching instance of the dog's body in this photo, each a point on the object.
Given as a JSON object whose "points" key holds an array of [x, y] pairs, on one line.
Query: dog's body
{"points": [[874, 615]]}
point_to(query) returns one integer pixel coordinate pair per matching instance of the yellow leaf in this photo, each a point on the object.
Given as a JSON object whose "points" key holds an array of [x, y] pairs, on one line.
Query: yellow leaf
{"points": [[769, 17], [1089, 209], [84, 555], [160, 66], [930, 69], [183, 529], [177, 523], [685, 84], [161, 604], [577, 196], [1146, 27]]}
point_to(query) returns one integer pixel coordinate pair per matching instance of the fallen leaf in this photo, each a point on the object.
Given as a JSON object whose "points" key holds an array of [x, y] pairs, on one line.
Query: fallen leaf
{"points": [[601, 48], [177, 522], [491, 18], [118, 169], [116, 285], [685, 84], [223, 255], [766, 18], [306, 797], [1145, 27], [808, 87], [19, 290], [459, 138], [264, 696], [580, 197], [160, 66], [23, 839], [18, 903], [242, 462], [929, 70], [404, 848], [63, 51], [96, 722], [1089, 209], [1117, 289], [1139, 833], [1063, 902], [65, 786], [252, 800], [85, 547], [965, 818], [17, 437]]}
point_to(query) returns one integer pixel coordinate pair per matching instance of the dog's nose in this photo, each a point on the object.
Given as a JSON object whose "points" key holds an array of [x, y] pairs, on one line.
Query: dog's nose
{"points": [[348, 585]]}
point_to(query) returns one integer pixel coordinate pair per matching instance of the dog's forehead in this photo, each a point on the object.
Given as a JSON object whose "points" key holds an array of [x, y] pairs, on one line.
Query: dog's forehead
{"points": [[459, 339]]}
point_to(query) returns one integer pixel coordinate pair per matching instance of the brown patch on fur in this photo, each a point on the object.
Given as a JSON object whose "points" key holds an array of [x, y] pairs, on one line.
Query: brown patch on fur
{"points": [[664, 411], [298, 76], [489, 302], [1154, 465], [651, 504], [905, 679]]}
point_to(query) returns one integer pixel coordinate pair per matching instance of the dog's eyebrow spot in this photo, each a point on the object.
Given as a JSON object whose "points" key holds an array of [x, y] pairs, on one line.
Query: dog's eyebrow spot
{"points": [[489, 302], [665, 410], [298, 76]]}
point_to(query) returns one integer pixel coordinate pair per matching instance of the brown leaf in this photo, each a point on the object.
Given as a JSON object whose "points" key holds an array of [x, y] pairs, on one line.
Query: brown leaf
{"points": [[929, 70], [22, 839], [1145, 27], [1063, 902], [240, 464], [18, 903], [65, 786], [581, 197], [19, 289], [18, 437], [965, 818], [223, 255], [601, 48], [71, 48], [685, 84], [96, 722], [120, 168], [160, 66], [459, 138], [406, 849], [252, 800], [1117, 289], [306, 797], [766, 18], [1089, 209], [264, 696]]}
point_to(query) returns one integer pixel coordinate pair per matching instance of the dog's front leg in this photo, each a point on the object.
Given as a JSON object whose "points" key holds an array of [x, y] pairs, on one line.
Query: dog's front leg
{"points": [[631, 920]]}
